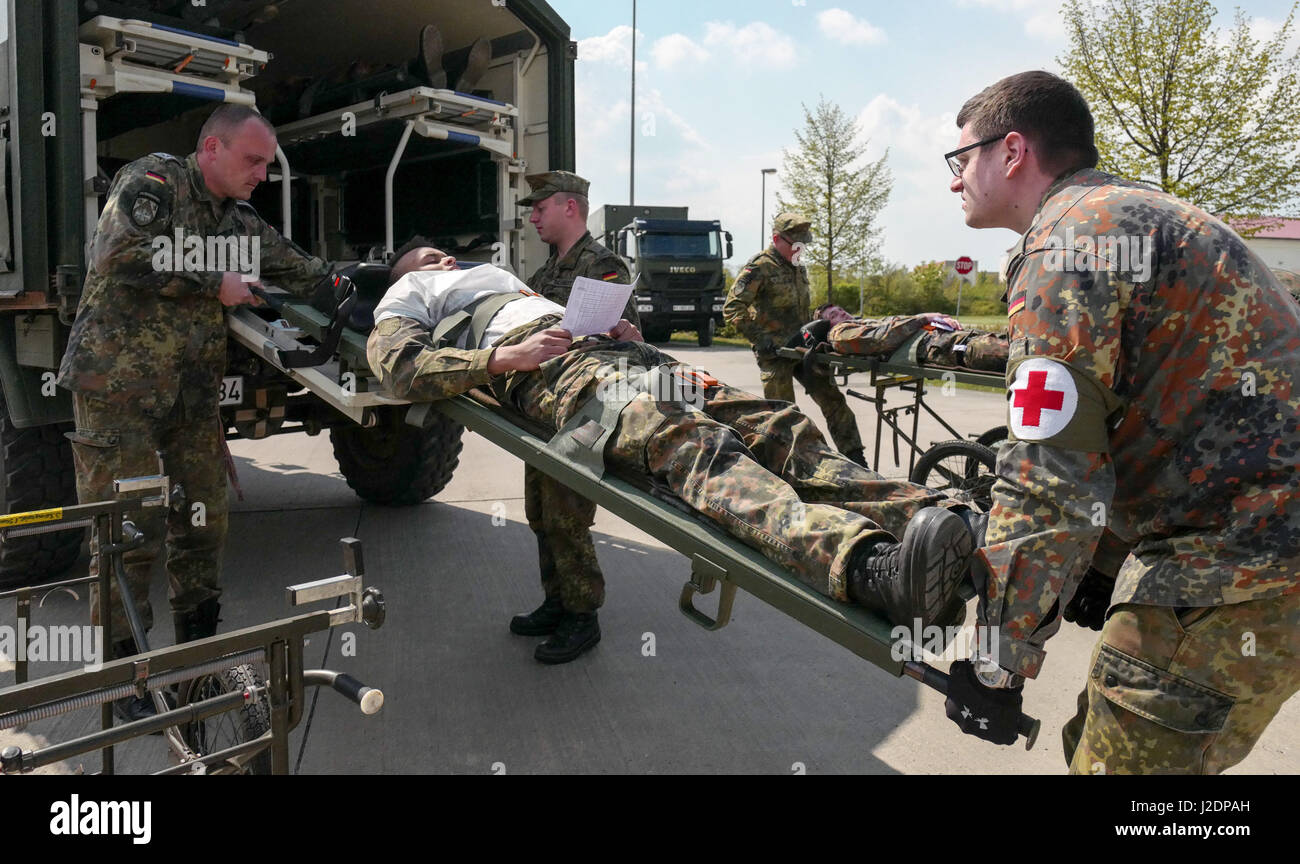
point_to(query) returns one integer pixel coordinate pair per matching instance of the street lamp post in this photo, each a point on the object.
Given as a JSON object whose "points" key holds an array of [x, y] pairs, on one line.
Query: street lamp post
{"points": [[762, 210]]}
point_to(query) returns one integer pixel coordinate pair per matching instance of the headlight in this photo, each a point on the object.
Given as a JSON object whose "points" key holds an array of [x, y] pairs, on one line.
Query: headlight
{"points": [[644, 308]]}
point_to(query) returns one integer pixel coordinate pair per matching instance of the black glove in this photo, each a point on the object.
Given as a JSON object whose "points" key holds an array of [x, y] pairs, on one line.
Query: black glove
{"points": [[810, 335], [765, 347], [1091, 599], [985, 712]]}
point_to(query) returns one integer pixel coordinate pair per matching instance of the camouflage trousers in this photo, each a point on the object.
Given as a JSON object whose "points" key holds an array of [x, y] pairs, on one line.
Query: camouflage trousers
{"points": [[757, 467], [111, 443], [562, 521], [778, 374], [1186, 691]]}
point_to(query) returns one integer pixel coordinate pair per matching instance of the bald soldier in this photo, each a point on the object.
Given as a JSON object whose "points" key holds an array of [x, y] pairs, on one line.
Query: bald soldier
{"points": [[768, 303], [1153, 466], [148, 349], [571, 579]]}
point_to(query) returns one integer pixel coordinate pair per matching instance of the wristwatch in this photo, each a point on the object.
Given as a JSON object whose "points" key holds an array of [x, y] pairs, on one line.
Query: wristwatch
{"points": [[992, 675]]}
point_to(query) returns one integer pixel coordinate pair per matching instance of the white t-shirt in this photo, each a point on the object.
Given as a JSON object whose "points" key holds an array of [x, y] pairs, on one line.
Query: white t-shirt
{"points": [[428, 296]]}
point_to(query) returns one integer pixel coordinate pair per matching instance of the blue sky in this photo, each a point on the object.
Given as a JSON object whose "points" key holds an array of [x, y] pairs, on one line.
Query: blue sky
{"points": [[720, 82]]}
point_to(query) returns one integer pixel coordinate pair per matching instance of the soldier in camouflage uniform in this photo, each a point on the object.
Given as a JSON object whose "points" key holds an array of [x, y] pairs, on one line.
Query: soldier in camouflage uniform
{"points": [[148, 347], [758, 468], [768, 303], [1154, 409], [560, 518]]}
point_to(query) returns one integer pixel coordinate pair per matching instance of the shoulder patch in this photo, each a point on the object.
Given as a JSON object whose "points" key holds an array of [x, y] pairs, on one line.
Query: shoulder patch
{"points": [[610, 276], [145, 208], [155, 177]]}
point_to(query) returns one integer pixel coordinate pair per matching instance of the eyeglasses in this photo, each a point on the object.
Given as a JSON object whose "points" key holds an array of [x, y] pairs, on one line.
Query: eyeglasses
{"points": [[951, 158]]}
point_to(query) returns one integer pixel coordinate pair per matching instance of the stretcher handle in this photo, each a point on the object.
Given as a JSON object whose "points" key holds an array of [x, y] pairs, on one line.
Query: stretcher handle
{"points": [[369, 698], [936, 680]]}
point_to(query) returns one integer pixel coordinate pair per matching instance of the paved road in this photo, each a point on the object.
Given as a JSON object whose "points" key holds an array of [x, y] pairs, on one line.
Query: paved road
{"points": [[763, 695]]}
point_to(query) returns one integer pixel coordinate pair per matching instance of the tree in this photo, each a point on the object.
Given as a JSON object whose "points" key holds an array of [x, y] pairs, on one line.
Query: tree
{"points": [[828, 181], [1210, 116]]}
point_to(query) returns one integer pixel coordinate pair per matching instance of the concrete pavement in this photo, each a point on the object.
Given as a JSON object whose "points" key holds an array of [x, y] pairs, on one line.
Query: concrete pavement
{"points": [[658, 695]]}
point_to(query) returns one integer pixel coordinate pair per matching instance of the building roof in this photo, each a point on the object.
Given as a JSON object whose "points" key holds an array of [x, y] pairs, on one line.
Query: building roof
{"points": [[1279, 228]]}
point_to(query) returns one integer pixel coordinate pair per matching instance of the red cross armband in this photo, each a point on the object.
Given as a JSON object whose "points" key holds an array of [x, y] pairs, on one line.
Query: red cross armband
{"points": [[1051, 402]]}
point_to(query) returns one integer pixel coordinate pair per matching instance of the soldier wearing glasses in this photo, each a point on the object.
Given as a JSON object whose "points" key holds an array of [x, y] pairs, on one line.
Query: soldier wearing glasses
{"points": [[1151, 484]]}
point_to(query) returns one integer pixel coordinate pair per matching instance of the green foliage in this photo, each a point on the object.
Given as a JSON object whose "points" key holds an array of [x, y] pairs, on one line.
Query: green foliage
{"points": [[925, 288], [828, 180], [1210, 116]]}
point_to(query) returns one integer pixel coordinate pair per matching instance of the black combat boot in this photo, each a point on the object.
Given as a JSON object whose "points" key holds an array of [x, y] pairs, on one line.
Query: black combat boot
{"points": [[578, 632], [918, 578], [857, 456], [200, 623], [976, 521], [542, 621]]}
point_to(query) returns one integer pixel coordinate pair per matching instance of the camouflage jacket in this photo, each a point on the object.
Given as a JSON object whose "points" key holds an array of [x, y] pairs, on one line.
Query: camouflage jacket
{"points": [[554, 279], [1153, 391], [149, 326], [769, 301]]}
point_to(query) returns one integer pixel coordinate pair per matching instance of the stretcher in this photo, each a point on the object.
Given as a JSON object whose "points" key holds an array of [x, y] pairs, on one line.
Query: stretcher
{"points": [[904, 372], [719, 562]]}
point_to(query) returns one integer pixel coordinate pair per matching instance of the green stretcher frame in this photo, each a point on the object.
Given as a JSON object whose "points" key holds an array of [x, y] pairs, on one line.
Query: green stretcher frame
{"points": [[900, 370], [719, 562]]}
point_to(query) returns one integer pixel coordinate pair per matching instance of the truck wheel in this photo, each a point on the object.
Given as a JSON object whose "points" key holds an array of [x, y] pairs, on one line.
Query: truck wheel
{"points": [[395, 463], [657, 333], [705, 333], [37, 473]]}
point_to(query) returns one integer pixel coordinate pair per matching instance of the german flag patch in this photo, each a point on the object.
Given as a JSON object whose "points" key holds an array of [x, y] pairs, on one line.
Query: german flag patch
{"points": [[157, 178], [1016, 305], [610, 276]]}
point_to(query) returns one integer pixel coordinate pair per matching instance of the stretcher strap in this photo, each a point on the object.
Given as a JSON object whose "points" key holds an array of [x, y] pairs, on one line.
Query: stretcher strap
{"points": [[476, 316], [582, 439]]}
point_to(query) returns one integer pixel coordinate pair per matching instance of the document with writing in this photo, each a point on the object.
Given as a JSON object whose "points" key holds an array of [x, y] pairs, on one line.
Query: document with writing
{"points": [[594, 306]]}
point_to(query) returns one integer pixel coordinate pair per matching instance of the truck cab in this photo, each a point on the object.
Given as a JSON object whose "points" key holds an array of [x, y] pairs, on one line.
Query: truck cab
{"points": [[676, 263]]}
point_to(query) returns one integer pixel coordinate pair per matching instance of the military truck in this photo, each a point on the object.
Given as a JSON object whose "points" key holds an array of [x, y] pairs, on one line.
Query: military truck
{"points": [[88, 85], [677, 263]]}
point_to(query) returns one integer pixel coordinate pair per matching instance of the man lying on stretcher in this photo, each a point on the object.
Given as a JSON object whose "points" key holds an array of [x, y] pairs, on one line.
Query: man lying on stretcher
{"points": [[943, 342], [758, 468]]}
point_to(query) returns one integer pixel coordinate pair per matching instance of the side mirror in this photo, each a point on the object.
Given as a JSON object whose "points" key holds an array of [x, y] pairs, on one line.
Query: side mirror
{"points": [[730, 251], [622, 244]]}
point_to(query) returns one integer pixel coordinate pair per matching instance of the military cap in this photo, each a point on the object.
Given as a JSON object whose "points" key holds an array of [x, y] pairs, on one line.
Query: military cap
{"points": [[793, 227], [543, 186]]}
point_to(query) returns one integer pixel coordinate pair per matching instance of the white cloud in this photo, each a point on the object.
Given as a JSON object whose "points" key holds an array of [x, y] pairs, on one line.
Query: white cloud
{"points": [[755, 43], [842, 26], [923, 219], [675, 49], [1044, 22]]}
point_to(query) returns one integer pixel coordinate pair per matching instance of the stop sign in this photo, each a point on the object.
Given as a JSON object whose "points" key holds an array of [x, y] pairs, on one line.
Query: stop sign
{"points": [[964, 265]]}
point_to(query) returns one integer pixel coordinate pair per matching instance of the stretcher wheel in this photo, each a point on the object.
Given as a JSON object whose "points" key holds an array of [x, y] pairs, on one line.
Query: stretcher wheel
{"points": [[958, 469], [992, 438], [229, 728]]}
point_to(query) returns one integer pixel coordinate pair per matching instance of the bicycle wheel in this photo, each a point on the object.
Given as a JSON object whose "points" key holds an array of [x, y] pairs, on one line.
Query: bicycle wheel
{"points": [[959, 469], [992, 438], [229, 728]]}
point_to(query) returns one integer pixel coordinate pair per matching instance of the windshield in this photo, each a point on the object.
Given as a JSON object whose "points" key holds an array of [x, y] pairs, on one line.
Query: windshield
{"points": [[680, 245]]}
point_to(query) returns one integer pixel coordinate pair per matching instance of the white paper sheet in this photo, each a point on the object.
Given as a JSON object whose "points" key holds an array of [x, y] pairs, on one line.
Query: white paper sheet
{"points": [[594, 306]]}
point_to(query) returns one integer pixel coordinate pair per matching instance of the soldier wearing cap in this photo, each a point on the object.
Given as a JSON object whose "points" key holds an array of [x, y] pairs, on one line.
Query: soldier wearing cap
{"points": [[562, 519], [768, 303]]}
